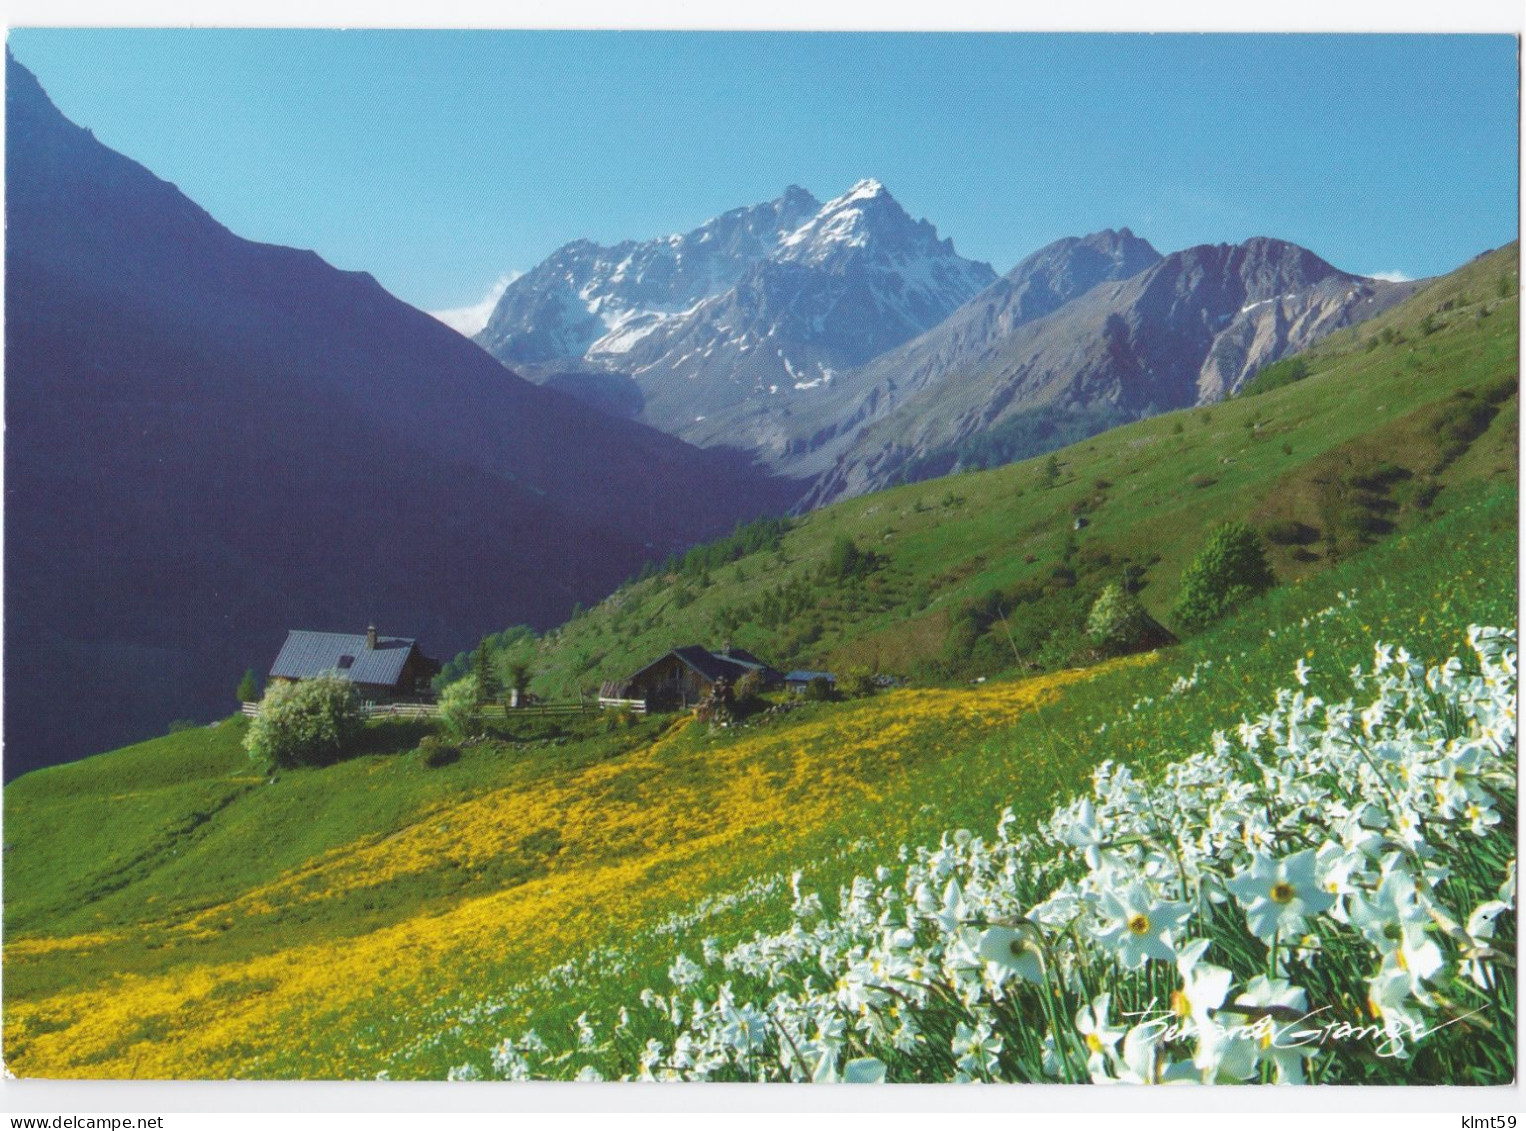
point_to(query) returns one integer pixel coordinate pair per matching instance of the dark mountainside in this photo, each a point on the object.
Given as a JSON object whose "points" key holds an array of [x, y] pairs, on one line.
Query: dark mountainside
{"points": [[1189, 330], [210, 441]]}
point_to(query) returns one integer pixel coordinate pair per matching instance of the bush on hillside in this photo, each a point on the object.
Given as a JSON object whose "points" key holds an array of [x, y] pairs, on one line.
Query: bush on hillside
{"points": [[311, 723], [460, 709], [1229, 570], [1118, 624], [1288, 371]]}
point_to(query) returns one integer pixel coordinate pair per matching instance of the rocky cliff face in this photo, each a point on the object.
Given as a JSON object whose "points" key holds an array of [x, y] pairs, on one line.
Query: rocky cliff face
{"points": [[1045, 281], [1191, 329]]}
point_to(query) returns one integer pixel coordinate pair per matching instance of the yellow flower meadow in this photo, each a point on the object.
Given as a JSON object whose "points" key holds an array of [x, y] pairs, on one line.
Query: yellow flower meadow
{"points": [[637, 836]]}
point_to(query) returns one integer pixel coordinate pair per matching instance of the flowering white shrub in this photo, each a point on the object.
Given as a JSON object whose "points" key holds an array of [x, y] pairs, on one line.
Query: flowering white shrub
{"points": [[1327, 894]]}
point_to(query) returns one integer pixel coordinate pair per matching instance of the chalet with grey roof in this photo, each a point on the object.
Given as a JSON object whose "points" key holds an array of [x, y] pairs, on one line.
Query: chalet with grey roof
{"points": [[382, 668], [800, 680]]}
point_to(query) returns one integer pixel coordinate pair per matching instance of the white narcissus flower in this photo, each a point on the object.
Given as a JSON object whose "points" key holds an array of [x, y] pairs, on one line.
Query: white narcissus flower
{"points": [[1394, 921], [685, 971], [1278, 894], [975, 1050], [1482, 922], [1204, 988], [1014, 949], [953, 911], [1480, 816], [744, 1028], [1389, 996], [1337, 864], [1480, 930], [1082, 830], [1275, 1036], [1139, 925], [862, 1070], [1100, 1036]]}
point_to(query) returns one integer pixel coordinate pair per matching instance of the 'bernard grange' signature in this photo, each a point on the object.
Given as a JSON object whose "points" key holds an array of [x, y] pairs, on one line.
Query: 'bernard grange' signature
{"points": [[1287, 1029]]}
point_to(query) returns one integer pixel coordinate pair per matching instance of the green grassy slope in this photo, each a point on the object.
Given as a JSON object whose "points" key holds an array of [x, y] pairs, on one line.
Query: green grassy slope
{"points": [[168, 909], [418, 1015], [170, 827], [1393, 415]]}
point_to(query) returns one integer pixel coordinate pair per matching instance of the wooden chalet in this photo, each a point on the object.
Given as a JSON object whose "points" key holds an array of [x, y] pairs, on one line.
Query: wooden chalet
{"points": [[687, 675], [382, 668]]}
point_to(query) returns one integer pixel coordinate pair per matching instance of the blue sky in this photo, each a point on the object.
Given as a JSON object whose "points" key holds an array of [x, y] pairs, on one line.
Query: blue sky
{"points": [[440, 161]]}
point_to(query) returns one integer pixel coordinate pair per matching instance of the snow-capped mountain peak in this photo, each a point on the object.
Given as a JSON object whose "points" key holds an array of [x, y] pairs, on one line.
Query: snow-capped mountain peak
{"points": [[589, 298], [862, 190], [752, 310], [865, 224]]}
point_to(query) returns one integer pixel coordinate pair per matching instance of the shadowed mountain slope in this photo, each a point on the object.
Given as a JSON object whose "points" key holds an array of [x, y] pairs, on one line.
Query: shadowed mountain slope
{"points": [[210, 441]]}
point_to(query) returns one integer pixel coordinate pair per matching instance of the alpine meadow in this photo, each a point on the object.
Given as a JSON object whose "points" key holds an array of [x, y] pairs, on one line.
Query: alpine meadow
{"points": [[787, 650]]}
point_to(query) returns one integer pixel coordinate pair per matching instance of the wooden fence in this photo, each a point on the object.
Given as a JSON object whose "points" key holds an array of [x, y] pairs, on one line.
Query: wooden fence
{"points": [[491, 710], [634, 706]]}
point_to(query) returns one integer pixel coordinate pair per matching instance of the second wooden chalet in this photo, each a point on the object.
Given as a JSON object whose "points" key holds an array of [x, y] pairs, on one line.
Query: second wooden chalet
{"points": [[687, 675]]}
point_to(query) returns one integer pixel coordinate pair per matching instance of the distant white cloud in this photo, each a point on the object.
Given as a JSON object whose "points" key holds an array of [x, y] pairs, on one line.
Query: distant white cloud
{"points": [[469, 320], [1391, 276]]}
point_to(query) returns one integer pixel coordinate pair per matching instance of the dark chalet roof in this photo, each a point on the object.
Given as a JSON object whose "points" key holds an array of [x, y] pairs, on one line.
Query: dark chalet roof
{"points": [[308, 654], [710, 666]]}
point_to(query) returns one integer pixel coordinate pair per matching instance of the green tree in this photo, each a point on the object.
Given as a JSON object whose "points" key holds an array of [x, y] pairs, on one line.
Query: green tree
{"points": [[846, 561], [460, 709], [858, 683], [1229, 570], [489, 686], [248, 687], [519, 680], [310, 723], [1051, 474]]}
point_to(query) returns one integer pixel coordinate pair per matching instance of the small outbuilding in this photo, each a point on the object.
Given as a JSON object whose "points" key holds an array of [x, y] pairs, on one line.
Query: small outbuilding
{"points": [[382, 668], [798, 681]]}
